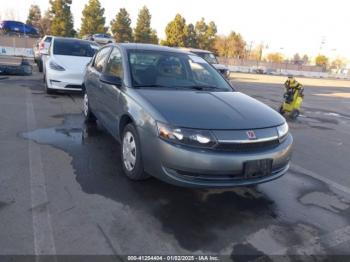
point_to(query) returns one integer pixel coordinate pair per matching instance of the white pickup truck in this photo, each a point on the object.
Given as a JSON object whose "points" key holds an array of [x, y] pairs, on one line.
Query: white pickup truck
{"points": [[16, 54], [211, 59]]}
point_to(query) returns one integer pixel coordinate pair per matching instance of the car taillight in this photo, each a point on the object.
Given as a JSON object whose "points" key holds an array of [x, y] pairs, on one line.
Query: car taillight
{"points": [[42, 46]]}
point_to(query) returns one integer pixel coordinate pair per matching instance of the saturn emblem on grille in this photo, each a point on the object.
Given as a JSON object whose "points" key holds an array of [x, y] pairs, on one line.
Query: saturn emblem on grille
{"points": [[251, 134]]}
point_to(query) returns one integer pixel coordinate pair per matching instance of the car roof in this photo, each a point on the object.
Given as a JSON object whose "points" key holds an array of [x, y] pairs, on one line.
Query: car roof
{"points": [[71, 38], [149, 47], [195, 50]]}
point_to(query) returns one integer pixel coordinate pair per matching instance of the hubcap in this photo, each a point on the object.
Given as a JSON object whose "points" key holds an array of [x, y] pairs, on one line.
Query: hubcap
{"points": [[86, 105], [129, 151]]}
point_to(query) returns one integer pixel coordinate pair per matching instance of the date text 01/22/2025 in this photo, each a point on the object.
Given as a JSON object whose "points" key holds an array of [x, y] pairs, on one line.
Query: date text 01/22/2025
{"points": [[174, 258]]}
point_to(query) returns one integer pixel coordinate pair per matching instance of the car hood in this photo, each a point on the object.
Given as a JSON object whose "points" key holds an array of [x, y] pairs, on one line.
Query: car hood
{"points": [[219, 66], [211, 110], [72, 63]]}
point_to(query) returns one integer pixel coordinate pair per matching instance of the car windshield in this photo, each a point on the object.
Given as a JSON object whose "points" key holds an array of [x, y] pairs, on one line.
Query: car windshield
{"points": [[164, 69], [72, 47], [209, 57]]}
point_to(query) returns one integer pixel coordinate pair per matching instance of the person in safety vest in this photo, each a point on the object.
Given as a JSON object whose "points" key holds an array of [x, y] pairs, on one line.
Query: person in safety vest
{"points": [[291, 86]]}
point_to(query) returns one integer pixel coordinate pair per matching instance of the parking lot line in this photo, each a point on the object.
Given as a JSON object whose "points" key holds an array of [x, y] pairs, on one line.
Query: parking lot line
{"points": [[42, 228], [316, 244], [321, 178]]}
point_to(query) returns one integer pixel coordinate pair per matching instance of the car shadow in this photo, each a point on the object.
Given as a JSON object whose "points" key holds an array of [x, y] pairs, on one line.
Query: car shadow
{"points": [[197, 218]]}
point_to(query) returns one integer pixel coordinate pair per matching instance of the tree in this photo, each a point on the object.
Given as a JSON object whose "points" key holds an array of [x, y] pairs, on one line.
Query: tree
{"points": [[191, 36], [237, 45], [321, 60], [296, 59], [205, 34], [275, 57], [62, 22], [93, 20], [201, 33], [120, 27], [256, 52], [45, 23], [154, 37], [305, 59], [34, 16], [143, 33], [231, 46], [176, 32], [338, 64]]}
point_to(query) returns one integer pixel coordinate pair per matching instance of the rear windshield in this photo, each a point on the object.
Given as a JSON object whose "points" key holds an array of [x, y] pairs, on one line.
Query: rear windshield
{"points": [[48, 39], [72, 47]]}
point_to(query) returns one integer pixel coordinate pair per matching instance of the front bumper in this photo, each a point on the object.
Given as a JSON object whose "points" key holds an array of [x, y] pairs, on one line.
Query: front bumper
{"points": [[191, 167], [64, 80]]}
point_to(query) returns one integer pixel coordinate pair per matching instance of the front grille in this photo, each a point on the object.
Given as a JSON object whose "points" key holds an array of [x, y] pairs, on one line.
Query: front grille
{"points": [[217, 177], [73, 86], [244, 147], [230, 177]]}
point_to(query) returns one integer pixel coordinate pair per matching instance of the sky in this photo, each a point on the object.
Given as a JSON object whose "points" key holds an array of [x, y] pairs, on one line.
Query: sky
{"points": [[287, 26]]}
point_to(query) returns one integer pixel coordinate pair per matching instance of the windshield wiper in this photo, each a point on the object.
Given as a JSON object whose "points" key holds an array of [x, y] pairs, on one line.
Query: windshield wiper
{"points": [[149, 85], [203, 87]]}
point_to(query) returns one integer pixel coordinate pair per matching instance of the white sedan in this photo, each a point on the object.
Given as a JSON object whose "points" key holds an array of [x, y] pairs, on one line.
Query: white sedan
{"points": [[65, 63]]}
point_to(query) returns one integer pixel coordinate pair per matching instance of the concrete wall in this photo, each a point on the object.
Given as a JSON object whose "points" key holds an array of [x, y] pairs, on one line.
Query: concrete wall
{"points": [[270, 65], [248, 69]]}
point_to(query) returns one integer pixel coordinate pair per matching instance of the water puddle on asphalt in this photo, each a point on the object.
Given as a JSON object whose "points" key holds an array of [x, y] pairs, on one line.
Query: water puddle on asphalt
{"points": [[221, 220]]}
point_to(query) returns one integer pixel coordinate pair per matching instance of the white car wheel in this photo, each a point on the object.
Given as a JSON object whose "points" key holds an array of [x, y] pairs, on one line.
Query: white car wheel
{"points": [[129, 151]]}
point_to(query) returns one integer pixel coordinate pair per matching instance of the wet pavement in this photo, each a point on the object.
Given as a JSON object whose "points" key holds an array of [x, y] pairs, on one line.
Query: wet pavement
{"points": [[92, 208]]}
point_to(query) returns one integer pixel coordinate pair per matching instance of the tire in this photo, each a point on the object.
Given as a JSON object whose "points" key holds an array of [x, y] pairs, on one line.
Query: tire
{"points": [[131, 150], [294, 114], [280, 109], [40, 66], [88, 115], [48, 90]]}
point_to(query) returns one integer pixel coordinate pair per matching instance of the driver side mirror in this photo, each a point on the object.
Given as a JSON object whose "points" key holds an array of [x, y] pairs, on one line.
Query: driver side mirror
{"points": [[111, 80]]}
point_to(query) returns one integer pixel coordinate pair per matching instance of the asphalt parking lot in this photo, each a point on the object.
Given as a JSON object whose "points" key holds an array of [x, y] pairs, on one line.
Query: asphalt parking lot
{"points": [[62, 190]]}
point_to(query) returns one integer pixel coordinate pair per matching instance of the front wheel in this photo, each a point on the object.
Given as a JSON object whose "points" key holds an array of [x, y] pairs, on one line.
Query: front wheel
{"points": [[48, 90], [131, 154], [280, 109], [88, 115]]}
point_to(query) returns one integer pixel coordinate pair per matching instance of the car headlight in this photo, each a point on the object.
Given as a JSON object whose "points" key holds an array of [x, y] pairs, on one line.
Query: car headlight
{"points": [[282, 131], [186, 136], [55, 66]]}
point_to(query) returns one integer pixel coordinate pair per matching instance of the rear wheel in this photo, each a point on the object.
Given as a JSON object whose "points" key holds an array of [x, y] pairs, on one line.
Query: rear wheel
{"points": [[294, 114], [131, 154], [88, 115]]}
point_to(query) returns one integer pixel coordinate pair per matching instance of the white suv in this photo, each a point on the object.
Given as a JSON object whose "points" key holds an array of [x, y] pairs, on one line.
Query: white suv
{"points": [[102, 39], [65, 64]]}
